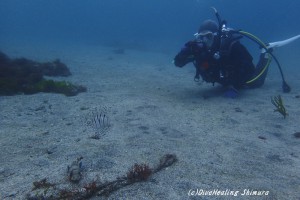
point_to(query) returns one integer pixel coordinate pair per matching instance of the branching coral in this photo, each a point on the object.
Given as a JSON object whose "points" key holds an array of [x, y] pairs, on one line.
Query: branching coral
{"points": [[278, 103]]}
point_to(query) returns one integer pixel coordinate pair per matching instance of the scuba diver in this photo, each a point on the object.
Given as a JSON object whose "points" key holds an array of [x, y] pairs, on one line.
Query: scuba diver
{"points": [[219, 57]]}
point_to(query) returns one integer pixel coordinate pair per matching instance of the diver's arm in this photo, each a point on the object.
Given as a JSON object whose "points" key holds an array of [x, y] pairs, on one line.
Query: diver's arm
{"points": [[185, 55]]}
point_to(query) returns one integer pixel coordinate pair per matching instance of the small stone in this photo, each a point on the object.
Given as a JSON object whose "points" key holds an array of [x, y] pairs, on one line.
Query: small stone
{"points": [[51, 149], [237, 109], [12, 194], [297, 135], [262, 137], [74, 170]]}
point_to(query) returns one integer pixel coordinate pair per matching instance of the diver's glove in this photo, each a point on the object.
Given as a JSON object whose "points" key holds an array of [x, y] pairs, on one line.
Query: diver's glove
{"points": [[186, 54], [180, 59], [231, 93]]}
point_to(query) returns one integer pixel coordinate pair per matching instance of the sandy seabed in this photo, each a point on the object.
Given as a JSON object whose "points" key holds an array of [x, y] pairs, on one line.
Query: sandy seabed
{"points": [[224, 146]]}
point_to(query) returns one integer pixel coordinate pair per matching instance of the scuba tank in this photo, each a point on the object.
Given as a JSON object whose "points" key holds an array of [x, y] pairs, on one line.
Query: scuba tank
{"points": [[227, 35]]}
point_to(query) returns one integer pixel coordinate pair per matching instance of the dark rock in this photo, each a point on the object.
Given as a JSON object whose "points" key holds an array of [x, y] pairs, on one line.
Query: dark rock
{"points": [[119, 51], [262, 137], [297, 135], [144, 128], [237, 109], [274, 158], [22, 75], [74, 170], [55, 68]]}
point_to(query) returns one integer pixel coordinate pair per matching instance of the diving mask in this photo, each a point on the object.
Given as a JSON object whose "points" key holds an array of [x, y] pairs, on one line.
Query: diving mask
{"points": [[206, 37]]}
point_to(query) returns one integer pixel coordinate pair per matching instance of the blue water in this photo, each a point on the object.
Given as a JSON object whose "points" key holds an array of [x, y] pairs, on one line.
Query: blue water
{"points": [[148, 24], [159, 25], [163, 26]]}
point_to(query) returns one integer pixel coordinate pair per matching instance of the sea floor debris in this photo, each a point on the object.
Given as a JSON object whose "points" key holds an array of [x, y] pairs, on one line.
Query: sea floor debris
{"points": [[138, 173]]}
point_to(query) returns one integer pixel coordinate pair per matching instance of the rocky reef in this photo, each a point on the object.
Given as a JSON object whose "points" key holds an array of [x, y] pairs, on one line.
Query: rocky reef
{"points": [[24, 76]]}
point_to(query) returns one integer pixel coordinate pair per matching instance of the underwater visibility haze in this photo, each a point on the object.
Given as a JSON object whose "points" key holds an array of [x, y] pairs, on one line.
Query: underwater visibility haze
{"points": [[138, 107], [156, 24]]}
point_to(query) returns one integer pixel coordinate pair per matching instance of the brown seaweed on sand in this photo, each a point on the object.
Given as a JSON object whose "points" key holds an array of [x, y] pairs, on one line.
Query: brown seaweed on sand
{"points": [[137, 173]]}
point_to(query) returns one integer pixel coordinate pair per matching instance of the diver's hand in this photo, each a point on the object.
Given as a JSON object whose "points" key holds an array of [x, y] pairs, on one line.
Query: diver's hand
{"points": [[231, 92]]}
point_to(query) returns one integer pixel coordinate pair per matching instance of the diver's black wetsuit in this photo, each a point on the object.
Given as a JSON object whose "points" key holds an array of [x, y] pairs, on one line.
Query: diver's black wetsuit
{"points": [[234, 67]]}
